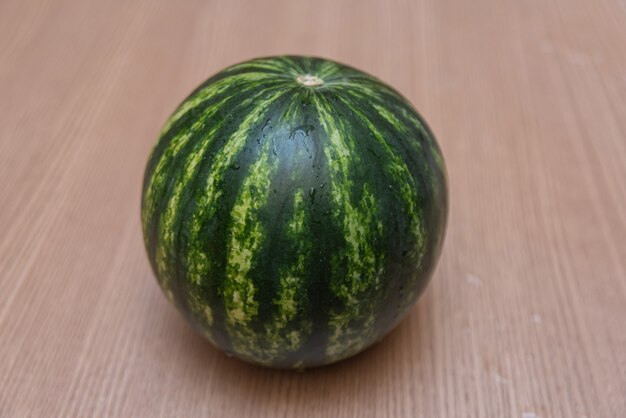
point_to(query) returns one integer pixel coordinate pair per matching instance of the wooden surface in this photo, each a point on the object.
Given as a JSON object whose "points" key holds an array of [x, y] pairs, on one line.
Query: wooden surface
{"points": [[525, 316]]}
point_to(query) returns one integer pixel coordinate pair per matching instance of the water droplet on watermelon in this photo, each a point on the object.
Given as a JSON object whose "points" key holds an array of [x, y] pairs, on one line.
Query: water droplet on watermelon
{"points": [[312, 192], [235, 166], [267, 126], [322, 185], [306, 129]]}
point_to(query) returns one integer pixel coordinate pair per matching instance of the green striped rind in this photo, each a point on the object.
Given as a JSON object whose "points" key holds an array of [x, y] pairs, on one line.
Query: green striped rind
{"points": [[292, 225], [357, 270]]}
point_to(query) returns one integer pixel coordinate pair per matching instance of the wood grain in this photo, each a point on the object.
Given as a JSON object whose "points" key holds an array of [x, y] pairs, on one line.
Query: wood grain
{"points": [[525, 315]]}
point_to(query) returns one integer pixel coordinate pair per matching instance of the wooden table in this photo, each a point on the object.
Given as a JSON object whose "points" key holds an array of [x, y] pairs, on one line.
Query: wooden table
{"points": [[526, 314]]}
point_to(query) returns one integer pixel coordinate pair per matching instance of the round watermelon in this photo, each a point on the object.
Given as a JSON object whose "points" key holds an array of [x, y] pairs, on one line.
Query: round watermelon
{"points": [[293, 209]]}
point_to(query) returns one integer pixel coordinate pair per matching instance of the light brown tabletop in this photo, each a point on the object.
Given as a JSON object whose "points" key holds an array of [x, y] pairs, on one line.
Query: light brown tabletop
{"points": [[526, 313]]}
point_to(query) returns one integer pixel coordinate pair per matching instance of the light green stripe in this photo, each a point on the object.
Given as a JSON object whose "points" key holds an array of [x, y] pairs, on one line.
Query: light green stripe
{"points": [[165, 252], [328, 69], [370, 90], [434, 148], [362, 87], [247, 235], [237, 82], [276, 66], [203, 313], [397, 169], [294, 109], [197, 261], [399, 172], [161, 174], [289, 65], [402, 127], [292, 285], [178, 141], [391, 118], [361, 227]]}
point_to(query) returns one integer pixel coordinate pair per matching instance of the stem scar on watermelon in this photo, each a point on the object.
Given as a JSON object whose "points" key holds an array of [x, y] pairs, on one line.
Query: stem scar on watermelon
{"points": [[293, 209]]}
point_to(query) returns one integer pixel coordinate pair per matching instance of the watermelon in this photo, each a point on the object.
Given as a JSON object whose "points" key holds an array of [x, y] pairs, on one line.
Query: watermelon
{"points": [[293, 209]]}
